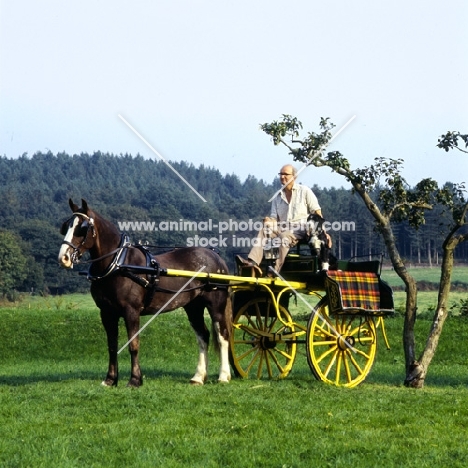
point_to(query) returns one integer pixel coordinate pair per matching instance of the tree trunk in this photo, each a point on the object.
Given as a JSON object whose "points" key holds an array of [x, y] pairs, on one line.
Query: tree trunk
{"points": [[416, 374], [409, 342], [400, 268], [411, 296]]}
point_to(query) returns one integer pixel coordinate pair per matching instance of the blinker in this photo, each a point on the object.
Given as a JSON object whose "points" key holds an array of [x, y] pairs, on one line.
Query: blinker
{"points": [[66, 226], [80, 230]]}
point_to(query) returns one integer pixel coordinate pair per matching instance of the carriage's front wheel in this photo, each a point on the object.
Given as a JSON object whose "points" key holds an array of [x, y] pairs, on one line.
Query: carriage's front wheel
{"points": [[262, 345], [340, 350]]}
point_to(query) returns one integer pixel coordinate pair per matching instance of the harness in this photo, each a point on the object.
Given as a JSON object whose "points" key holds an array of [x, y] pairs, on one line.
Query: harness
{"points": [[147, 276], [152, 272], [119, 253]]}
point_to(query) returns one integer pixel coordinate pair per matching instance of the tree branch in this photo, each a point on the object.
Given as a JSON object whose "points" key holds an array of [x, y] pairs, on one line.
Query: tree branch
{"points": [[423, 206]]}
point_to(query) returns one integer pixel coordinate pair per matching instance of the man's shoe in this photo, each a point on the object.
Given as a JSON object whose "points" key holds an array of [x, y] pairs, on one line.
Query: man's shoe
{"points": [[271, 273], [242, 261], [248, 265]]}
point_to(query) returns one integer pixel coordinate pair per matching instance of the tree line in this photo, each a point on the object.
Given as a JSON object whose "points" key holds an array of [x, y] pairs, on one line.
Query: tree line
{"points": [[35, 192]]}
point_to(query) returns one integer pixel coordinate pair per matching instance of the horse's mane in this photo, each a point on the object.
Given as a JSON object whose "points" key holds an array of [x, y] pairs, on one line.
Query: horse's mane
{"points": [[104, 225]]}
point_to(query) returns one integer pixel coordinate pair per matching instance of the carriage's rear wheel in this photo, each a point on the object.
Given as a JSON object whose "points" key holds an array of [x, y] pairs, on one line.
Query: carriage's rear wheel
{"points": [[340, 350], [260, 344]]}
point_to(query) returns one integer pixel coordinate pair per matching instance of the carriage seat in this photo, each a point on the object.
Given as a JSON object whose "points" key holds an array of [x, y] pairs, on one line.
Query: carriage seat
{"points": [[358, 292]]}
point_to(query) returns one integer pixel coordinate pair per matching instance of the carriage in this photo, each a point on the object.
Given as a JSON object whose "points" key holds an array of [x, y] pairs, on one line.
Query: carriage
{"points": [[338, 326], [342, 309]]}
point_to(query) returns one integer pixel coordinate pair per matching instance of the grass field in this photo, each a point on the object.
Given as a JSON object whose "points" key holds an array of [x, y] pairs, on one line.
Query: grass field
{"points": [[429, 275], [54, 411], [427, 300]]}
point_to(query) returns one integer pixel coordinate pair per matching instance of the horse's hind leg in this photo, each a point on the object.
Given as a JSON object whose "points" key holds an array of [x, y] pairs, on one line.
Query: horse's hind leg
{"points": [[194, 312], [110, 321], [221, 317], [223, 348], [132, 322]]}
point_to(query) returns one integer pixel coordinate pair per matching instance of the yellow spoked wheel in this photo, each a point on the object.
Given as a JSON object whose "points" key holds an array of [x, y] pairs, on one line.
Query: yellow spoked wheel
{"points": [[260, 344], [340, 350]]}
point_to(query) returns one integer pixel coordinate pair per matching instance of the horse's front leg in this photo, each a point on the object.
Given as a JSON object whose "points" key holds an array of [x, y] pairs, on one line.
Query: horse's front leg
{"points": [[110, 321], [132, 322]]}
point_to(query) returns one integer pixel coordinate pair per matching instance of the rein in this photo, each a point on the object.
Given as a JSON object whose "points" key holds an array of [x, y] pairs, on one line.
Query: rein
{"points": [[116, 262], [99, 258], [118, 265]]}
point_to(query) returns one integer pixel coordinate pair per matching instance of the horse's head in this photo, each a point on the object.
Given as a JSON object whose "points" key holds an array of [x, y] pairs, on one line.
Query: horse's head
{"points": [[79, 232]]}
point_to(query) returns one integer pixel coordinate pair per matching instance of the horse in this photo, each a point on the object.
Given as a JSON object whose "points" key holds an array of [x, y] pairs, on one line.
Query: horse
{"points": [[120, 292]]}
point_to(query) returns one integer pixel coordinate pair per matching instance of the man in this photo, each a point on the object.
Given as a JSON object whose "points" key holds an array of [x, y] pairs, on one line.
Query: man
{"points": [[287, 221]]}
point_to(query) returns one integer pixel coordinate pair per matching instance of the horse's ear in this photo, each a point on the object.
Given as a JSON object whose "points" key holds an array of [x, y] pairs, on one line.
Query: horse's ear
{"points": [[84, 205], [73, 206]]}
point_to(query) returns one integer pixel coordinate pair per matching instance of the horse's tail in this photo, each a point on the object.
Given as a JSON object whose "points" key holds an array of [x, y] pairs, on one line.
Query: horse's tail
{"points": [[226, 333]]}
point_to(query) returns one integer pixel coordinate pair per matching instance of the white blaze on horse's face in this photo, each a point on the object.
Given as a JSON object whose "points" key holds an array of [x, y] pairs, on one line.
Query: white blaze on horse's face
{"points": [[64, 256]]}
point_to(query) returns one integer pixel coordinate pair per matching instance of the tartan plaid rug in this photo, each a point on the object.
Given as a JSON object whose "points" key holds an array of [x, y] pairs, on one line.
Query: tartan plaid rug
{"points": [[357, 289]]}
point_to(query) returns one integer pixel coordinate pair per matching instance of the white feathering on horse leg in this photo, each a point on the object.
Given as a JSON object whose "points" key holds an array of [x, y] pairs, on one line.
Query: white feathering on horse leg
{"points": [[225, 369], [201, 373]]}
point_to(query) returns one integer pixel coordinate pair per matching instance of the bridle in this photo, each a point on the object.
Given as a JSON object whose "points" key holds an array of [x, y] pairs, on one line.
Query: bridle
{"points": [[76, 254]]}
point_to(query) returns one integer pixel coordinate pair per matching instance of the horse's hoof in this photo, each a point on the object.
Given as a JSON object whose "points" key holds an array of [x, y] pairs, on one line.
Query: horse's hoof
{"points": [[109, 383], [224, 377], [134, 383], [196, 382]]}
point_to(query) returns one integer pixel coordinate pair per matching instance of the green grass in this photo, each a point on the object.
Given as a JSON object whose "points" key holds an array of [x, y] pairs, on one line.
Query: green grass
{"points": [[430, 275], [54, 411], [427, 300]]}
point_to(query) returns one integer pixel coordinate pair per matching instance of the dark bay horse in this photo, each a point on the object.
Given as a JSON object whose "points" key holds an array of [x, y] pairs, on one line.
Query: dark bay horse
{"points": [[120, 293]]}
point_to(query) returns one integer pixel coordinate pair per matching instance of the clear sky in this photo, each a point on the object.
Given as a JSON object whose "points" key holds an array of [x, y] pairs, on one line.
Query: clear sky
{"points": [[196, 78]]}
